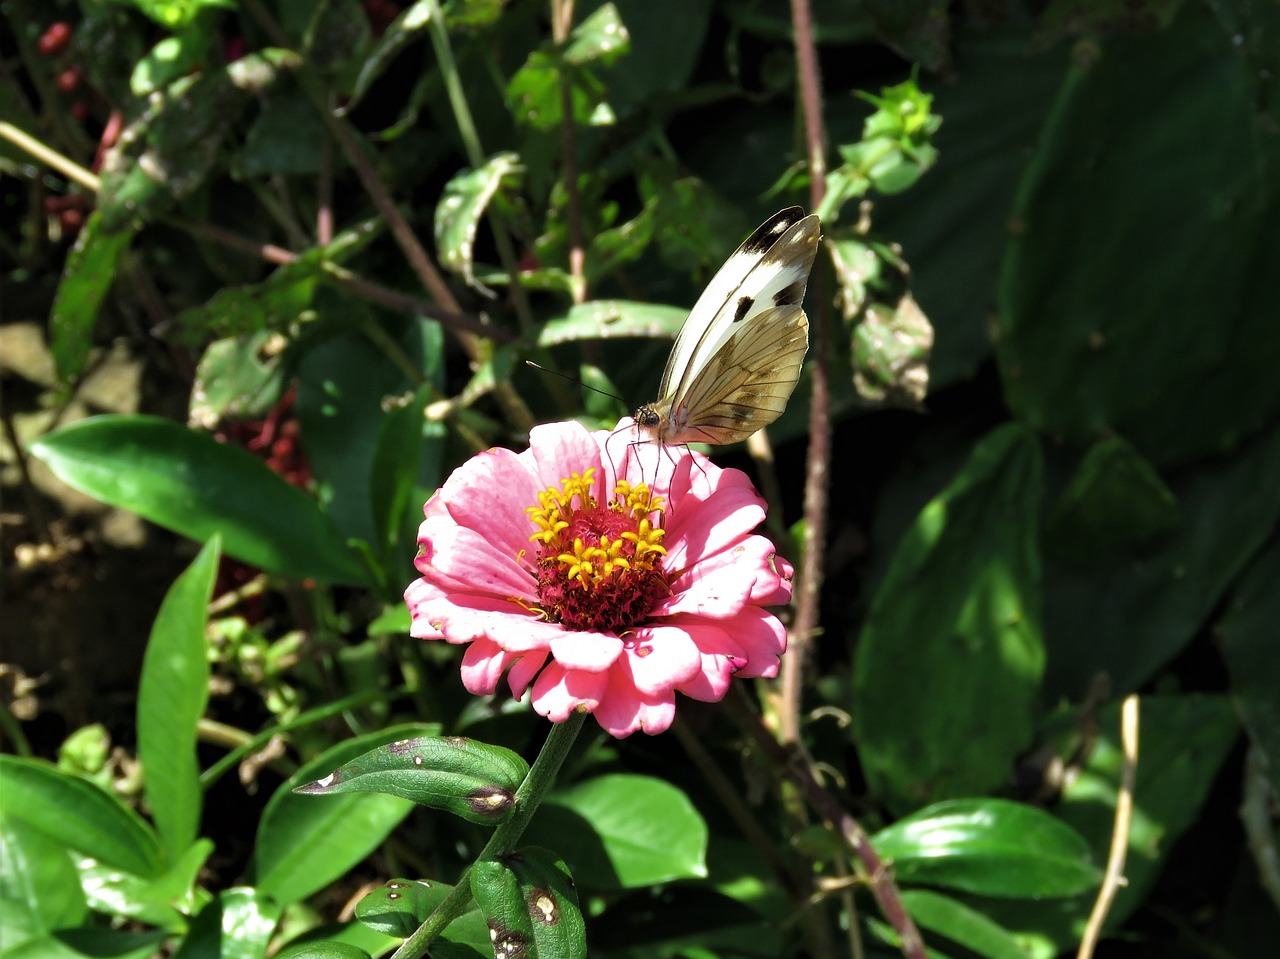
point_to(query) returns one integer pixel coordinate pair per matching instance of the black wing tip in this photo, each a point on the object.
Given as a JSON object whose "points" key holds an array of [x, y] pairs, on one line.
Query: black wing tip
{"points": [[769, 232]]}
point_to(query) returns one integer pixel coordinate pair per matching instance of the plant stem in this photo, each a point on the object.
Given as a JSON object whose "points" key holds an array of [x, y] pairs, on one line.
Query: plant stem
{"points": [[816, 472], [542, 776]]}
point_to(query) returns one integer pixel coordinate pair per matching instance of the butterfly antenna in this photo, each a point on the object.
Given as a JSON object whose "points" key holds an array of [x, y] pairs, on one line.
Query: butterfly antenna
{"points": [[575, 379]]}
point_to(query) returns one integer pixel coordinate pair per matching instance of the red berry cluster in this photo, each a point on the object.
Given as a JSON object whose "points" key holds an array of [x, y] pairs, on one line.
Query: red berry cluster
{"points": [[54, 43], [275, 439]]}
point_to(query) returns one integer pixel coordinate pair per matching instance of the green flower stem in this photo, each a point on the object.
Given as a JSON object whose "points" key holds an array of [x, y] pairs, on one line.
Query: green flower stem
{"points": [[528, 797]]}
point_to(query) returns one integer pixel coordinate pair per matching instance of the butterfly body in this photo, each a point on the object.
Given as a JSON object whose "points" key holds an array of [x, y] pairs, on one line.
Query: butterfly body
{"points": [[738, 356]]}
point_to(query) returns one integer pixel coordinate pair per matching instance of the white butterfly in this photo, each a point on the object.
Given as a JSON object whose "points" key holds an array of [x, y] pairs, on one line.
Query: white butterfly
{"points": [[738, 355]]}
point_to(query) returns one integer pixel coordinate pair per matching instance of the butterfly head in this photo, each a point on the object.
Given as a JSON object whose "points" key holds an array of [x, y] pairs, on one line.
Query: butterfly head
{"points": [[649, 421]]}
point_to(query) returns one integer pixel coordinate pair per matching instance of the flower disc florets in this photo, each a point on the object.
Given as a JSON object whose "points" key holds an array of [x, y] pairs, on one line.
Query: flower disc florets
{"points": [[599, 565], [598, 581]]}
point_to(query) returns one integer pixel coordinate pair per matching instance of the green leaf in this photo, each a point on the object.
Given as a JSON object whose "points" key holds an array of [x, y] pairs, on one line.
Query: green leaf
{"points": [[1115, 497], [402, 31], [237, 925], [992, 847], [193, 485], [966, 665], [79, 814], [172, 694], [891, 348], [461, 206], [39, 886], [594, 827], [169, 59], [953, 919], [613, 319], [501, 900], [400, 906], [166, 153], [306, 842], [90, 941], [287, 137], [322, 950], [274, 304], [535, 100], [239, 377], [600, 38], [1126, 612], [1132, 298], [549, 898], [470, 779], [393, 473], [1248, 632], [176, 14], [86, 278], [154, 901]]}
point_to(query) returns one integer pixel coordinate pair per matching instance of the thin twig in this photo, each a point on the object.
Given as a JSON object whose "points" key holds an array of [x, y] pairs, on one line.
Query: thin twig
{"points": [[49, 157], [1113, 878], [324, 195], [879, 874]]}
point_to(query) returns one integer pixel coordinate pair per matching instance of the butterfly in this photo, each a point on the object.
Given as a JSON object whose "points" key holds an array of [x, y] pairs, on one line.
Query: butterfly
{"points": [[738, 356]]}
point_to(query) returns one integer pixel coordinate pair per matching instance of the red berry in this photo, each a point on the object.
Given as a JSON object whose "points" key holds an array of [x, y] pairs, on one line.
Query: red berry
{"points": [[80, 110], [69, 79], [54, 40], [71, 219]]}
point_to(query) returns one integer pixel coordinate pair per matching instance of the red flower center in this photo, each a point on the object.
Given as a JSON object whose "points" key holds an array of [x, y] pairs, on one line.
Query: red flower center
{"points": [[599, 564]]}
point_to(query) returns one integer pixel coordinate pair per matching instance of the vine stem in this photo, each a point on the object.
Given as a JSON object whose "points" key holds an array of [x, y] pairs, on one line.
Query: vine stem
{"points": [[561, 23], [542, 776]]}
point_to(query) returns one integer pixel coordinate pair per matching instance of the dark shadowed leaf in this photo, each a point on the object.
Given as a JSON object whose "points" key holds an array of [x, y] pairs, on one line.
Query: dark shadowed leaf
{"points": [[966, 664], [86, 278]]}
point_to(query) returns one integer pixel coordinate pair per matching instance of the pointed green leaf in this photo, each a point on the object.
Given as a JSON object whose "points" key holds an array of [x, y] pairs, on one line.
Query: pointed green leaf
{"points": [[549, 898], [960, 923], [39, 888], [193, 485], [78, 813], [403, 30], [172, 695], [992, 847], [470, 779], [86, 278], [461, 207], [400, 906], [601, 37], [236, 925], [966, 665], [306, 842], [613, 319]]}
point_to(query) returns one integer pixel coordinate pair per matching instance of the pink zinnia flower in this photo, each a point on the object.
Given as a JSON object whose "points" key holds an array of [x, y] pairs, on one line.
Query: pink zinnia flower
{"points": [[593, 588]]}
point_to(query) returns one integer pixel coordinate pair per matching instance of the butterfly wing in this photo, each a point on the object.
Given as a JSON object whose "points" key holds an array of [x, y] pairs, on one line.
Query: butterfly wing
{"points": [[747, 383], [769, 269]]}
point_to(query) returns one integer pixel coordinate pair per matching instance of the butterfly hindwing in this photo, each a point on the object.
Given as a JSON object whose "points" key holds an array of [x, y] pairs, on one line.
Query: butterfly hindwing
{"points": [[749, 380]]}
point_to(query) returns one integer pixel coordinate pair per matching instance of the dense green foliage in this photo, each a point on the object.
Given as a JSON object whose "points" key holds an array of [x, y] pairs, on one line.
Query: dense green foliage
{"points": [[331, 232]]}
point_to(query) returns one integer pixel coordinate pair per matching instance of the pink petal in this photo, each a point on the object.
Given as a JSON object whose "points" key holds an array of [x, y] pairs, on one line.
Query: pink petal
{"points": [[462, 617], [482, 667], [523, 672], [592, 652], [623, 709], [461, 558], [721, 657], [763, 637], [489, 494], [696, 531], [558, 691], [559, 450], [662, 657]]}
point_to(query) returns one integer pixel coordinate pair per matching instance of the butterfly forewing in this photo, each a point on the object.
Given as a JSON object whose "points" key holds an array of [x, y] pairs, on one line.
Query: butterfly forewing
{"points": [[772, 259], [738, 356]]}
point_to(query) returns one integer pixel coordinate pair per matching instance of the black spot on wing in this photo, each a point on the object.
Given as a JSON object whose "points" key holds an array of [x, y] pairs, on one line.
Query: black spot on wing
{"points": [[744, 304], [768, 232], [790, 295]]}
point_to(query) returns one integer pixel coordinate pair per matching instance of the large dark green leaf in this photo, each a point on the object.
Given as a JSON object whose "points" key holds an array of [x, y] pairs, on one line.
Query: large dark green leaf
{"points": [[1250, 633], [1133, 297], [1127, 612], [88, 275], [189, 483], [172, 694], [79, 814], [992, 847], [594, 826], [305, 842], [949, 662]]}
